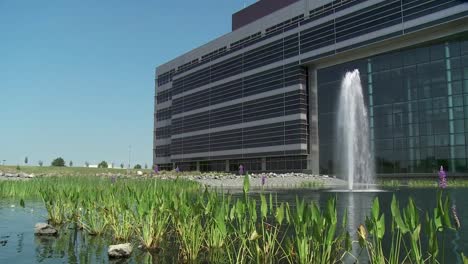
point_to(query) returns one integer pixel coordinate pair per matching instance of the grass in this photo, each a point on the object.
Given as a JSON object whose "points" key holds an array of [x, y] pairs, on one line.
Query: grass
{"points": [[67, 171], [422, 183], [312, 184]]}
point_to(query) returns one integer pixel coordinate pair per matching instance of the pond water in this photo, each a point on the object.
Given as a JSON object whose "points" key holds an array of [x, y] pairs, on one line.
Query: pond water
{"points": [[19, 245]]}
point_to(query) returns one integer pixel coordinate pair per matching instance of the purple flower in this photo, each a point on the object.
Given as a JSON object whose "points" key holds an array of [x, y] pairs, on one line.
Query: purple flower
{"points": [[263, 179], [442, 178], [113, 179], [241, 169], [156, 169], [177, 169]]}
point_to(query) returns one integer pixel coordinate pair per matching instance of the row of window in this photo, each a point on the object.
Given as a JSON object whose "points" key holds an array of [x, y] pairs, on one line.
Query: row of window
{"points": [[396, 89], [422, 141], [257, 83], [288, 163], [163, 96], [253, 59], [284, 133], [310, 39], [295, 152], [162, 151], [430, 165], [357, 23], [438, 129], [163, 114], [163, 132], [269, 107]]}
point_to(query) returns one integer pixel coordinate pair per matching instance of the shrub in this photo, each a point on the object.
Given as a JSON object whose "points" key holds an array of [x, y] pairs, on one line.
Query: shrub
{"points": [[103, 164], [137, 167], [58, 162]]}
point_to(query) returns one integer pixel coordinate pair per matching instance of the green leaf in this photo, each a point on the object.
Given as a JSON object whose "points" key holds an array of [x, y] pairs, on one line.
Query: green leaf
{"points": [[362, 236], [246, 184], [465, 259], [375, 209], [254, 236], [271, 203], [263, 206], [345, 218], [416, 232], [397, 216], [280, 214], [381, 227], [288, 212]]}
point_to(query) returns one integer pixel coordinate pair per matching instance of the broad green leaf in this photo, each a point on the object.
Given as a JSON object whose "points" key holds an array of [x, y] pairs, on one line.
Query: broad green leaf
{"points": [[263, 206], [280, 214], [381, 227], [397, 216], [375, 209]]}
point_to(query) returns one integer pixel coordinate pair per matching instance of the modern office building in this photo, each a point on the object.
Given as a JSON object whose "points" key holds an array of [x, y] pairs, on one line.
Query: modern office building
{"points": [[265, 95]]}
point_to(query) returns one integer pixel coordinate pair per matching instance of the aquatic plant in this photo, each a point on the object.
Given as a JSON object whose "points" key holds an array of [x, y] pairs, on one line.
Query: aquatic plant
{"points": [[203, 225], [316, 238], [241, 169], [93, 221], [442, 178]]}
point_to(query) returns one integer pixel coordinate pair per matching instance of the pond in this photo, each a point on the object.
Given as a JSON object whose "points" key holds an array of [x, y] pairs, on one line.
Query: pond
{"points": [[18, 244]]}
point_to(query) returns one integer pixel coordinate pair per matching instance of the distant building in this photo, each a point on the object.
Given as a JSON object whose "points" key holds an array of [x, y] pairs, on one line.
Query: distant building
{"points": [[265, 94], [109, 166]]}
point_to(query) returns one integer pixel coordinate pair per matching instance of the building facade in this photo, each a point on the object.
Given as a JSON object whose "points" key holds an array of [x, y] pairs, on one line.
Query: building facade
{"points": [[265, 94]]}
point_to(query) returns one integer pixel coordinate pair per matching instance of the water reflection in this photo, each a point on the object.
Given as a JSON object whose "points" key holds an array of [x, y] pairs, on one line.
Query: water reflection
{"points": [[357, 206]]}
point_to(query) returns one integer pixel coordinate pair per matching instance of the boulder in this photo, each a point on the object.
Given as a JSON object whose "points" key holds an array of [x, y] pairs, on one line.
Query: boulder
{"points": [[120, 250], [139, 173], [44, 229]]}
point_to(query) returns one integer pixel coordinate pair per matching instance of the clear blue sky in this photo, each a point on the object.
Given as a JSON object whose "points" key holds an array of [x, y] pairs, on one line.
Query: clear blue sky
{"points": [[77, 77]]}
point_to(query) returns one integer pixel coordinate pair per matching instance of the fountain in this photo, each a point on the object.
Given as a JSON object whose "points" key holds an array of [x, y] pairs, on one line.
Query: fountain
{"points": [[354, 157]]}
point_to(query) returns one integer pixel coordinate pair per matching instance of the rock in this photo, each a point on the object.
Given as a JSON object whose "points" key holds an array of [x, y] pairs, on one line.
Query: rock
{"points": [[139, 173], [44, 229], [120, 250], [31, 175]]}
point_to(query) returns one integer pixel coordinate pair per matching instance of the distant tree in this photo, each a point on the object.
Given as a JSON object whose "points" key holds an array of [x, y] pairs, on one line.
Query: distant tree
{"points": [[70, 163], [146, 166], [86, 164], [41, 163], [121, 165], [137, 167], [103, 164], [18, 167], [58, 162], [26, 160]]}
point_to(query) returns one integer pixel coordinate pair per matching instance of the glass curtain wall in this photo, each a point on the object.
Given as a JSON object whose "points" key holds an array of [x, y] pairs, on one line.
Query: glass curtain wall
{"points": [[418, 107]]}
